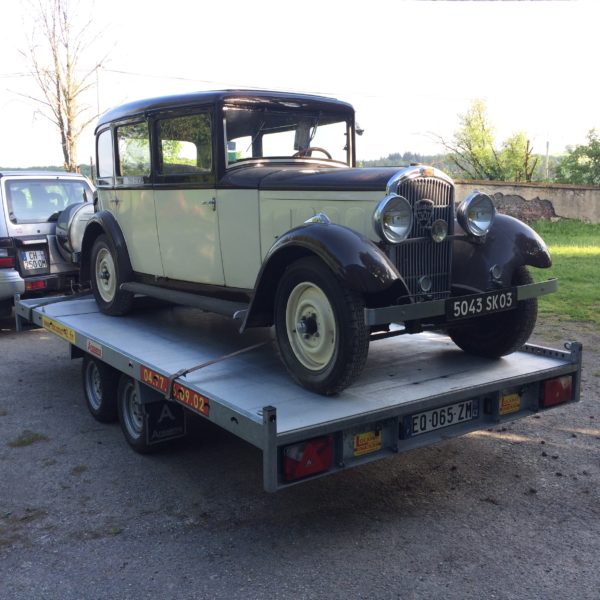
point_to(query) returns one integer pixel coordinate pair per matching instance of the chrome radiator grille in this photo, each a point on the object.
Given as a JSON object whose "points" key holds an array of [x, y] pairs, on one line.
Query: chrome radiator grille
{"points": [[419, 256]]}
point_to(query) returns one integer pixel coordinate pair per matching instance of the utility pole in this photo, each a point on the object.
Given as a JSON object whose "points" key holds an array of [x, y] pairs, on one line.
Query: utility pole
{"points": [[546, 164]]}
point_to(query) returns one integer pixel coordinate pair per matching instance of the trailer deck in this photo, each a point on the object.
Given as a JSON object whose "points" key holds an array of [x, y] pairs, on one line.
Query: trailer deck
{"points": [[423, 377]]}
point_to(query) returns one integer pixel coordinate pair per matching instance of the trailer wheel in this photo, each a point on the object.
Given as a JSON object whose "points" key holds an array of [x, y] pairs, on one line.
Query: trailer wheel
{"points": [[132, 415], [320, 328], [502, 333], [100, 383], [107, 279]]}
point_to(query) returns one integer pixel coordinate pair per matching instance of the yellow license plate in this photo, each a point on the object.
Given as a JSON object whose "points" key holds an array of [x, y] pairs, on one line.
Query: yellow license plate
{"points": [[366, 442], [509, 403]]}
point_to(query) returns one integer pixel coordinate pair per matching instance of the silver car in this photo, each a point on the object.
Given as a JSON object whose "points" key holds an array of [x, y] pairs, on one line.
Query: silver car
{"points": [[31, 260]]}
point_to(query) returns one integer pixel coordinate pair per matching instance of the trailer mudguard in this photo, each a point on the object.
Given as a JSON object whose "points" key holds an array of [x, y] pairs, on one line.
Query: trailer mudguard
{"points": [[509, 245], [354, 259], [103, 222]]}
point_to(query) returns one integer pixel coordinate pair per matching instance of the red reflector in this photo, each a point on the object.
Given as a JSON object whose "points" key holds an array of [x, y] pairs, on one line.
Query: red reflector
{"points": [[7, 261], [307, 458], [557, 391], [35, 285]]}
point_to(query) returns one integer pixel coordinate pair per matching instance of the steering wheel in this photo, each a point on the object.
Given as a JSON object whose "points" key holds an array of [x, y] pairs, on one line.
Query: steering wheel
{"points": [[308, 152]]}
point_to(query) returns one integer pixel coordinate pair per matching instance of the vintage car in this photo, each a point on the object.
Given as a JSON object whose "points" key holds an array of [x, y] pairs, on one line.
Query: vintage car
{"points": [[249, 204]]}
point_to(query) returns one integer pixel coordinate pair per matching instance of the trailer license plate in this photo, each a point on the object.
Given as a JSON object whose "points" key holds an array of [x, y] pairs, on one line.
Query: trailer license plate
{"points": [[34, 259], [438, 418], [480, 304]]}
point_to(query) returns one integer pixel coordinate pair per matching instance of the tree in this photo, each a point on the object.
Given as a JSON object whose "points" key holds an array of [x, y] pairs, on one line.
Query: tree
{"points": [[54, 54], [474, 152], [581, 164]]}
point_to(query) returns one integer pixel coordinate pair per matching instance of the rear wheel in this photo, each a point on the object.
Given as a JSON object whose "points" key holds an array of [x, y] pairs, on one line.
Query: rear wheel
{"points": [[107, 279], [100, 383], [320, 328], [132, 415], [6, 308], [501, 333]]}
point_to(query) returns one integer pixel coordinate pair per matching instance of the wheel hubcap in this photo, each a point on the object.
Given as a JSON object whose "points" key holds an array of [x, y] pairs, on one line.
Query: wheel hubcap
{"points": [[132, 412], [94, 386], [106, 279], [311, 326]]}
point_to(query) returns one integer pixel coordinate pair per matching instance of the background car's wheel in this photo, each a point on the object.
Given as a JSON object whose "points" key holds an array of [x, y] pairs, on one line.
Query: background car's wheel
{"points": [[501, 333], [100, 383], [106, 279], [132, 416], [320, 328]]}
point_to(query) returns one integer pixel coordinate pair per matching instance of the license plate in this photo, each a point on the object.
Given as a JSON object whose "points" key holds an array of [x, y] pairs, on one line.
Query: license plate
{"points": [[477, 305], [34, 259], [438, 418]]}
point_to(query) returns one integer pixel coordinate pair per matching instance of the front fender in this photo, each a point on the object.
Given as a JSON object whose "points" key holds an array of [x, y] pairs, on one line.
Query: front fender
{"points": [[354, 259], [509, 244], [103, 222]]}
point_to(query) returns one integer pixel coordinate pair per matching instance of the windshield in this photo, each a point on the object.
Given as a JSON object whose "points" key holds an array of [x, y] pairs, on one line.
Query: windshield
{"points": [[276, 132], [41, 200]]}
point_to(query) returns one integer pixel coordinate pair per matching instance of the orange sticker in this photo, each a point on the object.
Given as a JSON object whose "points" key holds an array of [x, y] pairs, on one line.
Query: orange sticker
{"points": [[154, 379], [194, 400]]}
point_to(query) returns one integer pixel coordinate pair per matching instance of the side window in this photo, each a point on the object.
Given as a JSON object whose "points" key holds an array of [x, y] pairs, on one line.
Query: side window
{"points": [[105, 158], [185, 149], [134, 153]]}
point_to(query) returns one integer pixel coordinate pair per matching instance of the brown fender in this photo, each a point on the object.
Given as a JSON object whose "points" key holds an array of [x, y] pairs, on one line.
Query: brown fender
{"points": [[509, 245], [355, 260]]}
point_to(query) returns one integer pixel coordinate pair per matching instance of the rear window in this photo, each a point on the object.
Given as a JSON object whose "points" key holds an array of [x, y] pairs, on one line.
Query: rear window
{"points": [[41, 200]]}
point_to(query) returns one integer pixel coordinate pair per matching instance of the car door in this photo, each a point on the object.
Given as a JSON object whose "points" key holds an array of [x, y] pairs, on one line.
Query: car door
{"points": [[185, 197], [132, 199]]}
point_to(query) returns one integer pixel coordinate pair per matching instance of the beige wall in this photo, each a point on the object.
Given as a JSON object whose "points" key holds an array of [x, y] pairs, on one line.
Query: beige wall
{"points": [[569, 202]]}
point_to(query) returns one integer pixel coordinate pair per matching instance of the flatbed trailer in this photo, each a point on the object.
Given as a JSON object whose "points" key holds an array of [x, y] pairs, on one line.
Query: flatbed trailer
{"points": [[416, 390]]}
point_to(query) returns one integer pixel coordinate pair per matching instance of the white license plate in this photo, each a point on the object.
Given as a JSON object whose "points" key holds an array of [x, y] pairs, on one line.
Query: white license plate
{"points": [[478, 305], [438, 418], [34, 259]]}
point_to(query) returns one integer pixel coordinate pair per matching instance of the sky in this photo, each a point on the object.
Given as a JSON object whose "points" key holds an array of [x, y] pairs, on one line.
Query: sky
{"points": [[408, 67]]}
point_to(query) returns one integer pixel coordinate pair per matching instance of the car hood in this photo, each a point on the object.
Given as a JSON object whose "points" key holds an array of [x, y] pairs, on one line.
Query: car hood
{"points": [[307, 177]]}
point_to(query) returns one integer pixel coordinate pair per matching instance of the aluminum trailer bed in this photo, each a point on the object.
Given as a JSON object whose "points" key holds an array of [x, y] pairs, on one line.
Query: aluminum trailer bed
{"points": [[415, 390]]}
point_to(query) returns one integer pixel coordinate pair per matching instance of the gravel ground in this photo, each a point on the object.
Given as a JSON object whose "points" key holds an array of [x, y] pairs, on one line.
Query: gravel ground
{"points": [[508, 513]]}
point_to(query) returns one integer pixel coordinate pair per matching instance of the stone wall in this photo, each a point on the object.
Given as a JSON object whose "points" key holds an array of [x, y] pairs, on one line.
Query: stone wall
{"points": [[531, 201]]}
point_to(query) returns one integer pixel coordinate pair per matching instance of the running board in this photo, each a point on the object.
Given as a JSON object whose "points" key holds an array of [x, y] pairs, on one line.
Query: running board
{"points": [[235, 310]]}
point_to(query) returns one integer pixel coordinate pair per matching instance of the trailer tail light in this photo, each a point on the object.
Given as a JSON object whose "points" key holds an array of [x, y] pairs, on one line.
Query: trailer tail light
{"points": [[35, 285], [557, 391], [307, 458]]}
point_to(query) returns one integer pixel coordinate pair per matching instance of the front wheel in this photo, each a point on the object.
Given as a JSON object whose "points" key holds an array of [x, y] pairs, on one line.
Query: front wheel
{"points": [[107, 279], [320, 328], [502, 333], [100, 382]]}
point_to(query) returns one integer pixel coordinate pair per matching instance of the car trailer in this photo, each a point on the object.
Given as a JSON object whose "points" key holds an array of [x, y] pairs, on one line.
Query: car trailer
{"points": [[150, 368]]}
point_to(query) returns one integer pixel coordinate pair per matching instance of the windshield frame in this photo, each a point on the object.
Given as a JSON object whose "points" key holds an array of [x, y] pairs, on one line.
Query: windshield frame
{"points": [[314, 115]]}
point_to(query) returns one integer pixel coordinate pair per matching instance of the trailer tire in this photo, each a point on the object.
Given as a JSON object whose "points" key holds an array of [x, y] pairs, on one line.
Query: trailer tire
{"points": [[502, 333], [330, 350], [100, 383], [107, 278], [132, 416]]}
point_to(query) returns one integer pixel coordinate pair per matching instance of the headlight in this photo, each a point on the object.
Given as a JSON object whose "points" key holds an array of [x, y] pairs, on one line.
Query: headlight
{"points": [[476, 214], [393, 218]]}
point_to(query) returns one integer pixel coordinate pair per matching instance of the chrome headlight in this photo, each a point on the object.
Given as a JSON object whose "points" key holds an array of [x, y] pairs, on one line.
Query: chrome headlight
{"points": [[393, 218], [476, 214]]}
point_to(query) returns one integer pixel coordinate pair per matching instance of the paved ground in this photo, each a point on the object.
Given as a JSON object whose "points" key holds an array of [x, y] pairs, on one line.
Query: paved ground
{"points": [[508, 513]]}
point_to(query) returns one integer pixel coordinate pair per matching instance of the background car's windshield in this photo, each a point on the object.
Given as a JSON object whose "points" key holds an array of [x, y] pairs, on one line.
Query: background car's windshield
{"points": [[40, 200], [268, 132]]}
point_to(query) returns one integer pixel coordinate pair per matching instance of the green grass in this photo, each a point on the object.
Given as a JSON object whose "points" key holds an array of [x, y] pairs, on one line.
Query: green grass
{"points": [[575, 250], [27, 438]]}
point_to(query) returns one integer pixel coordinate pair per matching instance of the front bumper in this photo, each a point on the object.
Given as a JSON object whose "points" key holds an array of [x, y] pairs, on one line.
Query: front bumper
{"points": [[434, 309]]}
